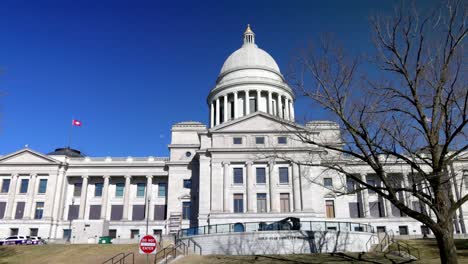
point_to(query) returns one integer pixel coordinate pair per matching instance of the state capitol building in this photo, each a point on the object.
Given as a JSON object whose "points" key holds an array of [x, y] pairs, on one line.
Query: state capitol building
{"points": [[235, 169]]}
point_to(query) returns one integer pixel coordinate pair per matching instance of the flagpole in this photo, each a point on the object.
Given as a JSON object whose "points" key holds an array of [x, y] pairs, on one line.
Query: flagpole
{"points": [[70, 134]]}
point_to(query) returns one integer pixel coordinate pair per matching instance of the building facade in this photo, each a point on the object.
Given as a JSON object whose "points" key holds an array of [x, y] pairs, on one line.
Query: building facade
{"points": [[246, 166]]}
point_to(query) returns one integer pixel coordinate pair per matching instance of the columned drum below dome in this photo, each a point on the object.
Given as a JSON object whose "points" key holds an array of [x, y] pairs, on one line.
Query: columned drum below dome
{"points": [[250, 81]]}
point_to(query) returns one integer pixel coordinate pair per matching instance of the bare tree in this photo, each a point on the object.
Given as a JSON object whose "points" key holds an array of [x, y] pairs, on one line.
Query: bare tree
{"points": [[408, 105]]}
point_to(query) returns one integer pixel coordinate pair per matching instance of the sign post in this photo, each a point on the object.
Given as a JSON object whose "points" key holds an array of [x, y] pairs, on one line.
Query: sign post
{"points": [[148, 245]]}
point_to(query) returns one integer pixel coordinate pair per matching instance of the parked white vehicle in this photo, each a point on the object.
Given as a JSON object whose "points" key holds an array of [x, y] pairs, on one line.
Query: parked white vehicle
{"points": [[17, 240]]}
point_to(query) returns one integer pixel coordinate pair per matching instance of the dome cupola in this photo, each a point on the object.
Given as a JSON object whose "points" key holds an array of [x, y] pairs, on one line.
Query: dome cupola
{"points": [[250, 81]]}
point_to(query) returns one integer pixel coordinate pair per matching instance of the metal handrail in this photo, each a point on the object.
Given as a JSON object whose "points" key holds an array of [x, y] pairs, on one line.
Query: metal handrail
{"points": [[256, 226], [408, 248], [164, 253], [128, 254], [195, 245], [368, 247], [112, 259]]}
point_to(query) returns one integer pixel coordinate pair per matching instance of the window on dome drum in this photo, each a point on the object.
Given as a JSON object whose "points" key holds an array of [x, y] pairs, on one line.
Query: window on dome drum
{"points": [[119, 189], [284, 202], [330, 208], [24, 186], [162, 187], [259, 140], [77, 189], [238, 177], [261, 175], [238, 203], [328, 182], [42, 186], [39, 210], [221, 112], [188, 183], [231, 107], [5, 185], [282, 140], [350, 185], [253, 105], [283, 175], [186, 210], [237, 141], [141, 189], [98, 189], [261, 203]]}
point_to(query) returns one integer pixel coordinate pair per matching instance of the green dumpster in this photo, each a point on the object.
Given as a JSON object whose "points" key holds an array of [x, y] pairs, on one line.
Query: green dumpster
{"points": [[105, 240]]}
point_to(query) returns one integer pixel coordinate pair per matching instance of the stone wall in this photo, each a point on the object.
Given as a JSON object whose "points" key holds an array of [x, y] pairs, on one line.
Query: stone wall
{"points": [[283, 242]]}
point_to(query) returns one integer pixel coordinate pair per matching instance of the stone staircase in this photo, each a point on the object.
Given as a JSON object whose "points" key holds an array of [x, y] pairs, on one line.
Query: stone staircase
{"points": [[175, 222]]}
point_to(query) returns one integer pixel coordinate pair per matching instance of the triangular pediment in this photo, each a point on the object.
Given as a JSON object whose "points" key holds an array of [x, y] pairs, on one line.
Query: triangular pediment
{"points": [[258, 122], [27, 156]]}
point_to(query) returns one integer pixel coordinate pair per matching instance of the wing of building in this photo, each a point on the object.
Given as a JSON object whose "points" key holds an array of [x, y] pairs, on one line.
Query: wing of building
{"points": [[240, 168]]}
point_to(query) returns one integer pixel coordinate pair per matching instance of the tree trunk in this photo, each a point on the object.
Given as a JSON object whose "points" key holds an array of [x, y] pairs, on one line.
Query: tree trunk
{"points": [[447, 249]]}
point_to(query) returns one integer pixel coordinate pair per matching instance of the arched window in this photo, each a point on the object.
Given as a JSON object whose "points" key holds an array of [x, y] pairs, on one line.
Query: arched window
{"points": [[238, 227]]}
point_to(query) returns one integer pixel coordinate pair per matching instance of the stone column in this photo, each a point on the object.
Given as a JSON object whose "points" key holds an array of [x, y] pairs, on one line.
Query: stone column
{"points": [[247, 103], [291, 111], [225, 186], [280, 107], [149, 186], [225, 108], [236, 104], [105, 195], [388, 206], [212, 114], [11, 197], [218, 117], [270, 104], [407, 195], [248, 186], [84, 193], [286, 109], [296, 187], [365, 198], [57, 206], [128, 179], [271, 184], [259, 95], [29, 213]]}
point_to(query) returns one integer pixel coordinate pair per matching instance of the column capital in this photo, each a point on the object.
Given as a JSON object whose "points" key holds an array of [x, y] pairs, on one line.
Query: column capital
{"points": [[14, 175], [127, 176], [33, 175], [106, 176], [225, 163], [271, 162], [85, 176], [249, 163], [149, 176]]}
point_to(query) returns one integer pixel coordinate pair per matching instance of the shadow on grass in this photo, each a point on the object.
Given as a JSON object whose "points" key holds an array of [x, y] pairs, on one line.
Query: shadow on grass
{"points": [[5, 252]]}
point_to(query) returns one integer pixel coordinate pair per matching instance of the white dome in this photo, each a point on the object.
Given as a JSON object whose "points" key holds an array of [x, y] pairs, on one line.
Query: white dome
{"points": [[249, 56]]}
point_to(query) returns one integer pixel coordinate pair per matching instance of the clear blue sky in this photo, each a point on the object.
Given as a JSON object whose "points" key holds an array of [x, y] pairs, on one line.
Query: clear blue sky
{"points": [[130, 69]]}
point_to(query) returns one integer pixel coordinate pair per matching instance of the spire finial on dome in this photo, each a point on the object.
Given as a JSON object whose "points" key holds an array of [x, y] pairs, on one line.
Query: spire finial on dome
{"points": [[249, 36]]}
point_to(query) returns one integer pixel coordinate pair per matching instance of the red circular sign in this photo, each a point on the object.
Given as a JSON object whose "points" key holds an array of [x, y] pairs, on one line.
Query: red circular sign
{"points": [[148, 244]]}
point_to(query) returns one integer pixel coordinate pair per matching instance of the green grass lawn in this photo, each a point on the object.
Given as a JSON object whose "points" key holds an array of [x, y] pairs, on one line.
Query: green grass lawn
{"points": [[71, 254]]}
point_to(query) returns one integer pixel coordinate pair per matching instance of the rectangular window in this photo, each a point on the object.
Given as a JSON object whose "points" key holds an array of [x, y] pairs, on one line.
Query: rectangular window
{"points": [[237, 141], [381, 229], [371, 182], [14, 231], [77, 189], [2, 209], [259, 140], [253, 105], [94, 211], [330, 208], [24, 186], [19, 210], [5, 185], [119, 189], [138, 212], [186, 210], [39, 210], [33, 231], [403, 230], [376, 209], [73, 212], [282, 140], [350, 184], [283, 175], [67, 234], [160, 212], [113, 233], [261, 203], [140, 190], [42, 186], [98, 189], [284, 202], [116, 212], [328, 182], [261, 175], [355, 210], [162, 186], [134, 233], [238, 176], [238, 203], [188, 184]]}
